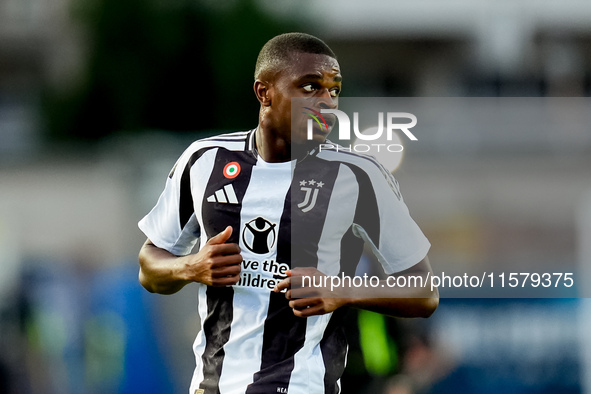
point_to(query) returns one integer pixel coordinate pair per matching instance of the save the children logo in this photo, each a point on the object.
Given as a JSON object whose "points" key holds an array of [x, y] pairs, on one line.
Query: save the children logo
{"points": [[259, 235]]}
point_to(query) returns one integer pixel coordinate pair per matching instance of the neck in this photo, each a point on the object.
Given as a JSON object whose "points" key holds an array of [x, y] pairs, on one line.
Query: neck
{"points": [[272, 148]]}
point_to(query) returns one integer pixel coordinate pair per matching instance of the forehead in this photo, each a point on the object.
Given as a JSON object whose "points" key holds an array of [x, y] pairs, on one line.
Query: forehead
{"points": [[301, 64]]}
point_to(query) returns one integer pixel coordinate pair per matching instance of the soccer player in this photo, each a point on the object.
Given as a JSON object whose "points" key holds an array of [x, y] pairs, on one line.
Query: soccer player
{"points": [[266, 207]]}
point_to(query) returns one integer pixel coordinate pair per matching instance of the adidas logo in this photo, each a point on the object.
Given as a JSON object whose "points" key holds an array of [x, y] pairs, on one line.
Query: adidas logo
{"points": [[225, 195]]}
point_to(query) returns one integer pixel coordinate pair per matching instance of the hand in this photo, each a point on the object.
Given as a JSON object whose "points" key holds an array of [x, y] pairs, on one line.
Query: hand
{"points": [[311, 300], [217, 263]]}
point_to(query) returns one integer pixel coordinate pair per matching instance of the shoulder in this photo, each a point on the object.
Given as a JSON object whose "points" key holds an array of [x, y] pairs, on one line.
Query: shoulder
{"points": [[236, 141], [368, 164], [233, 141], [359, 163]]}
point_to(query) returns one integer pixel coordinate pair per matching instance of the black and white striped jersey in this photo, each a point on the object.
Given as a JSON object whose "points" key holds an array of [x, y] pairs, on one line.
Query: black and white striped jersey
{"points": [[316, 212]]}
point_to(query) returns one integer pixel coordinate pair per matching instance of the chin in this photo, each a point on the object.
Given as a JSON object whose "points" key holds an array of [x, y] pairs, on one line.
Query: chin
{"points": [[319, 138], [306, 145]]}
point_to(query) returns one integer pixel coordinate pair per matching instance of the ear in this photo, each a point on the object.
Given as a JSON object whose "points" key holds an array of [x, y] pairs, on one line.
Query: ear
{"points": [[262, 91]]}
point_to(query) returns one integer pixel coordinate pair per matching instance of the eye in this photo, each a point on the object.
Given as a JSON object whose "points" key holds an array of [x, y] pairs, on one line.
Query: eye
{"points": [[308, 87], [335, 92]]}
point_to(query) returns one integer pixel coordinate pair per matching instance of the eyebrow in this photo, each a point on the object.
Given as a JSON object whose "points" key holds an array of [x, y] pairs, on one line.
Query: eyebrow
{"points": [[337, 78]]}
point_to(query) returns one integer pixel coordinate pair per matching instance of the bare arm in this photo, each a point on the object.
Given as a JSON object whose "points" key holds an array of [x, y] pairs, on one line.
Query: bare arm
{"points": [[409, 301], [216, 264]]}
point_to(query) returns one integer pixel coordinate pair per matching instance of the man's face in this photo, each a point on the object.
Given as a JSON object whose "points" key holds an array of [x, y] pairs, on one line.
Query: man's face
{"points": [[308, 75]]}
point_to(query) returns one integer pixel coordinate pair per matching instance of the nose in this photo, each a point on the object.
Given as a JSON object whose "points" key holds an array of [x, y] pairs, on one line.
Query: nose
{"points": [[326, 100]]}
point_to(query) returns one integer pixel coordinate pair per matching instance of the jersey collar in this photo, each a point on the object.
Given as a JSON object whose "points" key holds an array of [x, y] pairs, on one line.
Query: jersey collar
{"points": [[251, 146]]}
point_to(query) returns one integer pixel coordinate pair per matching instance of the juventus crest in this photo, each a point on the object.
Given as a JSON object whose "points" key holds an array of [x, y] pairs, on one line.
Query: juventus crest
{"points": [[311, 189]]}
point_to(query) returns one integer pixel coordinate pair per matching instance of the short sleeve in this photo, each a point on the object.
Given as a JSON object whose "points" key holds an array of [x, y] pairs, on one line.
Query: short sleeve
{"points": [[172, 224], [385, 223]]}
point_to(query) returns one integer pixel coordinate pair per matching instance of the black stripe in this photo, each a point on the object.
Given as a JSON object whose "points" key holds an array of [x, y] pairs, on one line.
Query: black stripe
{"points": [[387, 174], [216, 328], [231, 137], [356, 154], [334, 342], [284, 245], [307, 227], [367, 213], [186, 206], [230, 140], [299, 235], [216, 216], [284, 335]]}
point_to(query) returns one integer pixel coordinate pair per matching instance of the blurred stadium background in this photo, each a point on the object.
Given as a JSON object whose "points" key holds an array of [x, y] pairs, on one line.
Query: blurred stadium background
{"points": [[99, 97]]}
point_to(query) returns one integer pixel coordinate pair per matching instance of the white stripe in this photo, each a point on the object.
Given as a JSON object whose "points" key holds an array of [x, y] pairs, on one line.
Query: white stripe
{"points": [[227, 143], [199, 344], [308, 371], [339, 216], [200, 173], [251, 140], [354, 157], [240, 135], [220, 196], [243, 351], [222, 138], [401, 241], [232, 199]]}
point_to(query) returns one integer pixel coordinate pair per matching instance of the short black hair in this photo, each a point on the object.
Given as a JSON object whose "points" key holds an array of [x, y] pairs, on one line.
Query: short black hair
{"points": [[277, 50]]}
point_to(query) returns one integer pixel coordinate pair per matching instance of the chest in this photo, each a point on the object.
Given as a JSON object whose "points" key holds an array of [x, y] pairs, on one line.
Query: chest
{"points": [[274, 207]]}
